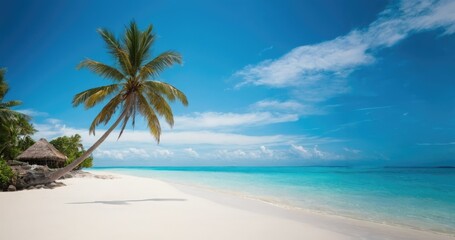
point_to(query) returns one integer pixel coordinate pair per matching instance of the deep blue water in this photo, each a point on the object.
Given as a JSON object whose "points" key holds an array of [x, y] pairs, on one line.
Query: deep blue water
{"points": [[422, 198]]}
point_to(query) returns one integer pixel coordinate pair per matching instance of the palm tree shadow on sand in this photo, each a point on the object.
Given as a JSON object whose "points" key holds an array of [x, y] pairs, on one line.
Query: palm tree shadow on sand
{"points": [[126, 202]]}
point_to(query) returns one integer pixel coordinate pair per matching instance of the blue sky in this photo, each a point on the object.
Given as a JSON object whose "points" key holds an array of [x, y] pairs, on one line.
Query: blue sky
{"points": [[269, 82]]}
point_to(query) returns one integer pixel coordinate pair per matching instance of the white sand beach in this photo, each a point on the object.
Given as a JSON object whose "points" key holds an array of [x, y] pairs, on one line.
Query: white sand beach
{"points": [[127, 207]]}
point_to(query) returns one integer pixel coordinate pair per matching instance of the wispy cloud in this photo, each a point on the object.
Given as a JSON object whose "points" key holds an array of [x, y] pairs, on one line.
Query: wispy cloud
{"points": [[372, 108], [54, 128], [348, 125], [339, 57], [265, 50], [216, 120], [351, 150], [33, 113], [289, 106], [319, 71], [261, 153], [137, 153], [436, 144], [191, 152], [314, 153], [133, 153]]}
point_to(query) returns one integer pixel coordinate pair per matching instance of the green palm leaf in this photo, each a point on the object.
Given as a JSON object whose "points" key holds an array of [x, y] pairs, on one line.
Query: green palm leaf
{"points": [[101, 69], [116, 50], [158, 64], [106, 113], [95, 95], [153, 123], [167, 90], [161, 106]]}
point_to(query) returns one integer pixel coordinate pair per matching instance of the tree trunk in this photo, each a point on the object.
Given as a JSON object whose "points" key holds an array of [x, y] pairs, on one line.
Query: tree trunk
{"points": [[62, 171]]}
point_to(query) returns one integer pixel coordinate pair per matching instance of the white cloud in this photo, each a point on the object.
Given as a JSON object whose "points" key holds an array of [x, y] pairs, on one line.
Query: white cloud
{"points": [[265, 50], [305, 65], [164, 153], [303, 152], [139, 152], [318, 72], [287, 106], [191, 152], [135, 153], [265, 151], [262, 153], [314, 153], [32, 112], [372, 108], [350, 150], [210, 120]]}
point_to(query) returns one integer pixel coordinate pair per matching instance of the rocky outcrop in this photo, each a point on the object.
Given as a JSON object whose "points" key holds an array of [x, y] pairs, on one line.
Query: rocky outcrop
{"points": [[26, 176]]}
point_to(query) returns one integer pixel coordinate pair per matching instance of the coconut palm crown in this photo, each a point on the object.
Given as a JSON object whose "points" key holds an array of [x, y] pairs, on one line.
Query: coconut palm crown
{"points": [[132, 90]]}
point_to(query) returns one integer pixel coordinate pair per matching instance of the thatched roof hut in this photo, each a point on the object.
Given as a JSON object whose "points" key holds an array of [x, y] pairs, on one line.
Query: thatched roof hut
{"points": [[43, 153]]}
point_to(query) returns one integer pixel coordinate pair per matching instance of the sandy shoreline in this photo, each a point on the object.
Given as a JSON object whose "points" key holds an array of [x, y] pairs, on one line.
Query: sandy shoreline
{"points": [[129, 207]]}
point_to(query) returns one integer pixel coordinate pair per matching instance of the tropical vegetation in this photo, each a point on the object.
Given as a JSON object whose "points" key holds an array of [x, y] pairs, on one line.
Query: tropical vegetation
{"points": [[15, 127], [72, 148], [6, 174]]}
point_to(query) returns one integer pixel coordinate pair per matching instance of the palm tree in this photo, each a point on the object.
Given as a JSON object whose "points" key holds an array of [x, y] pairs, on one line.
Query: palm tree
{"points": [[14, 126], [131, 91], [6, 114]]}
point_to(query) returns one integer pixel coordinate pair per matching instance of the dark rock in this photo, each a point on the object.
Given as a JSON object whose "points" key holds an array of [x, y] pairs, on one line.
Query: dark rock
{"points": [[68, 175], [52, 185], [27, 175], [11, 188], [59, 184]]}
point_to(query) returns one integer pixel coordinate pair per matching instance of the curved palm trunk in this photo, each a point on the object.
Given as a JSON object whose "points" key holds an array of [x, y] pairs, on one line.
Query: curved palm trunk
{"points": [[62, 171]]}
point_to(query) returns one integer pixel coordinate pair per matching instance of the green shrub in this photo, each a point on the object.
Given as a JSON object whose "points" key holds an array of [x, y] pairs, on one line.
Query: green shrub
{"points": [[72, 148], [6, 174]]}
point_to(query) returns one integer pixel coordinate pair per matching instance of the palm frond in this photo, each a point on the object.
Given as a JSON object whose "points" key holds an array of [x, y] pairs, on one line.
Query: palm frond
{"points": [[129, 109], [159, 63], [147, 39], [10, 104], [2, 74], [8, 116], [101, 69], [106, 113], [167, 90], [116, 50], [152, 120], [132, 41], [93, 96], [161, 106]]}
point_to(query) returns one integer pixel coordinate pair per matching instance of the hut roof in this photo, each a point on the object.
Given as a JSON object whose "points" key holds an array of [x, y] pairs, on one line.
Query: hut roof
{"points": [[42, 150]]}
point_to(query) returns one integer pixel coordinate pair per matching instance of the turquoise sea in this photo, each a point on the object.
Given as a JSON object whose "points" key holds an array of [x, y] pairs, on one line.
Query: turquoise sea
{"points": [[422, 198]]}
